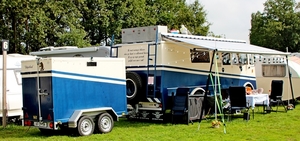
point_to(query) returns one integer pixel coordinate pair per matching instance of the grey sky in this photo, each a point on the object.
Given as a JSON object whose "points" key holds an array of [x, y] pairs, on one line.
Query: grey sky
{"points": [[231, 18]]}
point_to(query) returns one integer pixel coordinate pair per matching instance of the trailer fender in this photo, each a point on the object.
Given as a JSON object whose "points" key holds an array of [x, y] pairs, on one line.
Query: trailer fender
{"points": [[197, 90], [72, 123], [134, 87]]}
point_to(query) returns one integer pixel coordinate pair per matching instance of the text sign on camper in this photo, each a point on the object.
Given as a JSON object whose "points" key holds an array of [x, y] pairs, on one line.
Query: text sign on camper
{"points": [[5, 45]]}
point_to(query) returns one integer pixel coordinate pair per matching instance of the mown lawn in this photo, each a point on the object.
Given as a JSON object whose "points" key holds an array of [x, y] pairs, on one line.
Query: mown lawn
{"points": [[278, 126]]}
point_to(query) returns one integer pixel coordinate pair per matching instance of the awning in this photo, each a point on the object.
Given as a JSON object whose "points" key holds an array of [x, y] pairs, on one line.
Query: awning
{"points": [[222, 45]]}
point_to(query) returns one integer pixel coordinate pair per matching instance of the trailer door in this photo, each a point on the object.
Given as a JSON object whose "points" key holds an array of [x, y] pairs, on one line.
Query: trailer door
{"points": [[45, 99], [37, 99]]}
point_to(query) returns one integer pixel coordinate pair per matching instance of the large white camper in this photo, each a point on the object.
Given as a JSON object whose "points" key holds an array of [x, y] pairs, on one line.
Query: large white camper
{"points": [[13, 84]]}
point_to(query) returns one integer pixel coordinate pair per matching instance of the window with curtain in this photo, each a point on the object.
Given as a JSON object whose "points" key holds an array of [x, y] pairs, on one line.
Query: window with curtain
{"points": [[274, 70]]}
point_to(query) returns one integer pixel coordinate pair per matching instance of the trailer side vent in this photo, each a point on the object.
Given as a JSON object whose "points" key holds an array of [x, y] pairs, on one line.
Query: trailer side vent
{"points": [[91, 64]]}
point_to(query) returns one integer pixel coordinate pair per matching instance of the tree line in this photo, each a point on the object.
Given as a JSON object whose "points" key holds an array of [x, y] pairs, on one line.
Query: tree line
{"points": [[32, 24], [277, 26]]}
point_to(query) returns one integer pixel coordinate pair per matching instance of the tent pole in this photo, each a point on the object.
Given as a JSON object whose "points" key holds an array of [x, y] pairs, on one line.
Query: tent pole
{"points": [[215, 88], [290, 79]]}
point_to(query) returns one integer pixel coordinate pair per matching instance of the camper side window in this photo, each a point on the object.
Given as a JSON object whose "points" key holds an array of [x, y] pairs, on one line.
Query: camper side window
{"points": [[18, 77], [226, 58], [235, 58], [239, 59], [198, 56], [251, 59], [243, 59], [274, 70]]}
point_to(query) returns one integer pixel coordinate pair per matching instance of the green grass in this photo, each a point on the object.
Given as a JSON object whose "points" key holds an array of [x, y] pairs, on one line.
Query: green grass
{"points": [[274, 126]]}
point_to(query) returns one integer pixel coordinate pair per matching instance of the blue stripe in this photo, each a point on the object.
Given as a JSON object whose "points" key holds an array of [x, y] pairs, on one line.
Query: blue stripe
{"points": [[88, 76], [196, 70]]}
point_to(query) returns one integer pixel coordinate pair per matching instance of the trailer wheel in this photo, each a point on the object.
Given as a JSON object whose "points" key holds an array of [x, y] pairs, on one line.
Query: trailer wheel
{"points": [[105, 123], [85, 126], [134, 87]]}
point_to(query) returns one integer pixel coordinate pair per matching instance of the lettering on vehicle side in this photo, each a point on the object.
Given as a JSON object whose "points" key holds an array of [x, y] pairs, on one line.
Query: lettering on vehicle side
{"points": [[29, 67], [136, 55]]}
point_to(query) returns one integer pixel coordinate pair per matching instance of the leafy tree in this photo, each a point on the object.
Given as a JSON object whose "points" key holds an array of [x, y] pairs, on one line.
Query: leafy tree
{"points": [[73, 37], [36, 22], [102, 18], [11, 13], [117, 10], [193, 17], [211, 34], [277, 27], [30, 25], [95, 19], [63, 17], [138, 14], [166, 12], [174, 13]]}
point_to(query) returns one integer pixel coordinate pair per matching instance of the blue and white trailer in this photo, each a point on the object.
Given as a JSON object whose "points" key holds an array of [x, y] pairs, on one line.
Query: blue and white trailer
{"points": [[83, 93], [158, 62]]}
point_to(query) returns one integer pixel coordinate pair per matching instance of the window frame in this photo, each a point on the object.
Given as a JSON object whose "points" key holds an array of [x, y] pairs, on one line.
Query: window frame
{"points": [[17, 73], [276, 73]]}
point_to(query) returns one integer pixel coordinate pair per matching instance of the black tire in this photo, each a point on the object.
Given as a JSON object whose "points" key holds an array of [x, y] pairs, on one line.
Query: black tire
{"points": [[134, 87], [85, 126], [105, 123], [66, 130]]}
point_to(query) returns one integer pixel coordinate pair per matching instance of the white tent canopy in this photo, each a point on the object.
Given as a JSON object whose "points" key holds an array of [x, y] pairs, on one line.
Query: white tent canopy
{"points": [[222, 45]]}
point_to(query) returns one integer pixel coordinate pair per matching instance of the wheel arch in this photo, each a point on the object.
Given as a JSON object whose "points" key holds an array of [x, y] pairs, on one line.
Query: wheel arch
{"points": [[72, 123], [249, 84], [196, 90]]}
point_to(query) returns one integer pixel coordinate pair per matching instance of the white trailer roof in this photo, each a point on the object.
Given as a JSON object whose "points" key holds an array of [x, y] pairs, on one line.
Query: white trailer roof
{"points": [[71, 50], [14, 60], [223, 45]]}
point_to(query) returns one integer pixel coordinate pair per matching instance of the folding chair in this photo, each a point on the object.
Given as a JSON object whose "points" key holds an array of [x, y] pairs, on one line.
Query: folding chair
{"points": [[237, 96], [276, 94], [180, 104]]}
